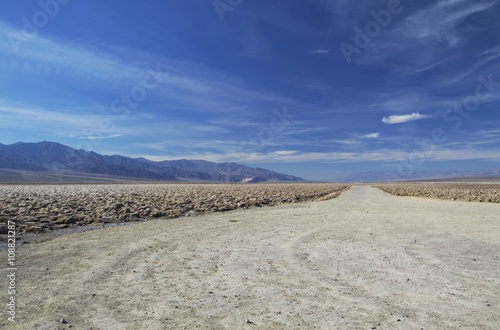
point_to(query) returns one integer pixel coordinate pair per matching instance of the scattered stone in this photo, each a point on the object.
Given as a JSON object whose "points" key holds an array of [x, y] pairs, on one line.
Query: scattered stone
{"points": [[71, 220]]}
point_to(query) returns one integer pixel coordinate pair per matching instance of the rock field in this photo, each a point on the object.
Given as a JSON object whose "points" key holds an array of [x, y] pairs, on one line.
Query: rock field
{"points": [[488, 193], [42, 208]]}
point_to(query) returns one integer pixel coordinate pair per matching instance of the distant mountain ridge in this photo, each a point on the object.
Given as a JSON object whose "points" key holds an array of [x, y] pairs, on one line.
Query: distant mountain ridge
{"points": [[391, 176], [55, 157]]}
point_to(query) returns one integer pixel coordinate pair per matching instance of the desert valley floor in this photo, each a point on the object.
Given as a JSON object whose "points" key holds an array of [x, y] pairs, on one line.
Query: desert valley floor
{"points": [[363, 260]]}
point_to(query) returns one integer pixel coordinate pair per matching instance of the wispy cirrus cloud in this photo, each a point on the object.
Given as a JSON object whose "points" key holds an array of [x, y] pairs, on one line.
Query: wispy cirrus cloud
{"points": [[291, 156], [428, 24], [61, 83], [399, 119], [193, 87], [22, 116], [428, 34]]}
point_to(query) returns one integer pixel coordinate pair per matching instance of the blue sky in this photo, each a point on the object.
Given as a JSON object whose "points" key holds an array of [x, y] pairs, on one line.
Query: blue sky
{"points": [[315, 88]]}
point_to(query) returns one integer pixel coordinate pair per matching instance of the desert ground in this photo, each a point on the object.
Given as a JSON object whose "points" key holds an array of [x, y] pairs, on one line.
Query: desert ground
{"points": [[363, 260]]}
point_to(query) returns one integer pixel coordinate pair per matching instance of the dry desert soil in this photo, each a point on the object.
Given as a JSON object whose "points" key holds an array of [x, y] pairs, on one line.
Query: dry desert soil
{"points": [[364, 260]]}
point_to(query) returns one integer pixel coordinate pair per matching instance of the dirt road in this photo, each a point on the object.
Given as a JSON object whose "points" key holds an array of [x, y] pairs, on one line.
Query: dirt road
{"points": [[364, 260]]}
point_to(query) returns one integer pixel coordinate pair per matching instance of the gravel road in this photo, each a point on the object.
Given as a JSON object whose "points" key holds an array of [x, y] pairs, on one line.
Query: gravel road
{"points": [[365, 260]]}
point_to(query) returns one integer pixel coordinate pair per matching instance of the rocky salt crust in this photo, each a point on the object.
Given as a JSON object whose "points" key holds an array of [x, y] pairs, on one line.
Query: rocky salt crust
{"points": [[43, 208], [488, 193]]}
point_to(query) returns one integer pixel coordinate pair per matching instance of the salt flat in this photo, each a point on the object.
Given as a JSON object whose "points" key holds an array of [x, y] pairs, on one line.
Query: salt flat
{"points": [[364, 260]]}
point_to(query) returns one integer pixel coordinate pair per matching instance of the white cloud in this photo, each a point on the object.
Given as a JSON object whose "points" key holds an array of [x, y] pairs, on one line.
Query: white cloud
{"points": [[399, 119], [100, 137], [285, 152], [432, 66], [370, 136], [487, 133], [318, 51]]}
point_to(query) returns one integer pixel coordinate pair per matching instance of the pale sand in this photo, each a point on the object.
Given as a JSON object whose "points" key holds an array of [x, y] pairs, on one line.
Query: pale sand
{"points": [[364, 260]]}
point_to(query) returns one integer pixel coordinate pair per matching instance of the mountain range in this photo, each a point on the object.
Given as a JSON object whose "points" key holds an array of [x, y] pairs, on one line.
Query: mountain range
{"points": [[51, 161], [52, 157]]}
